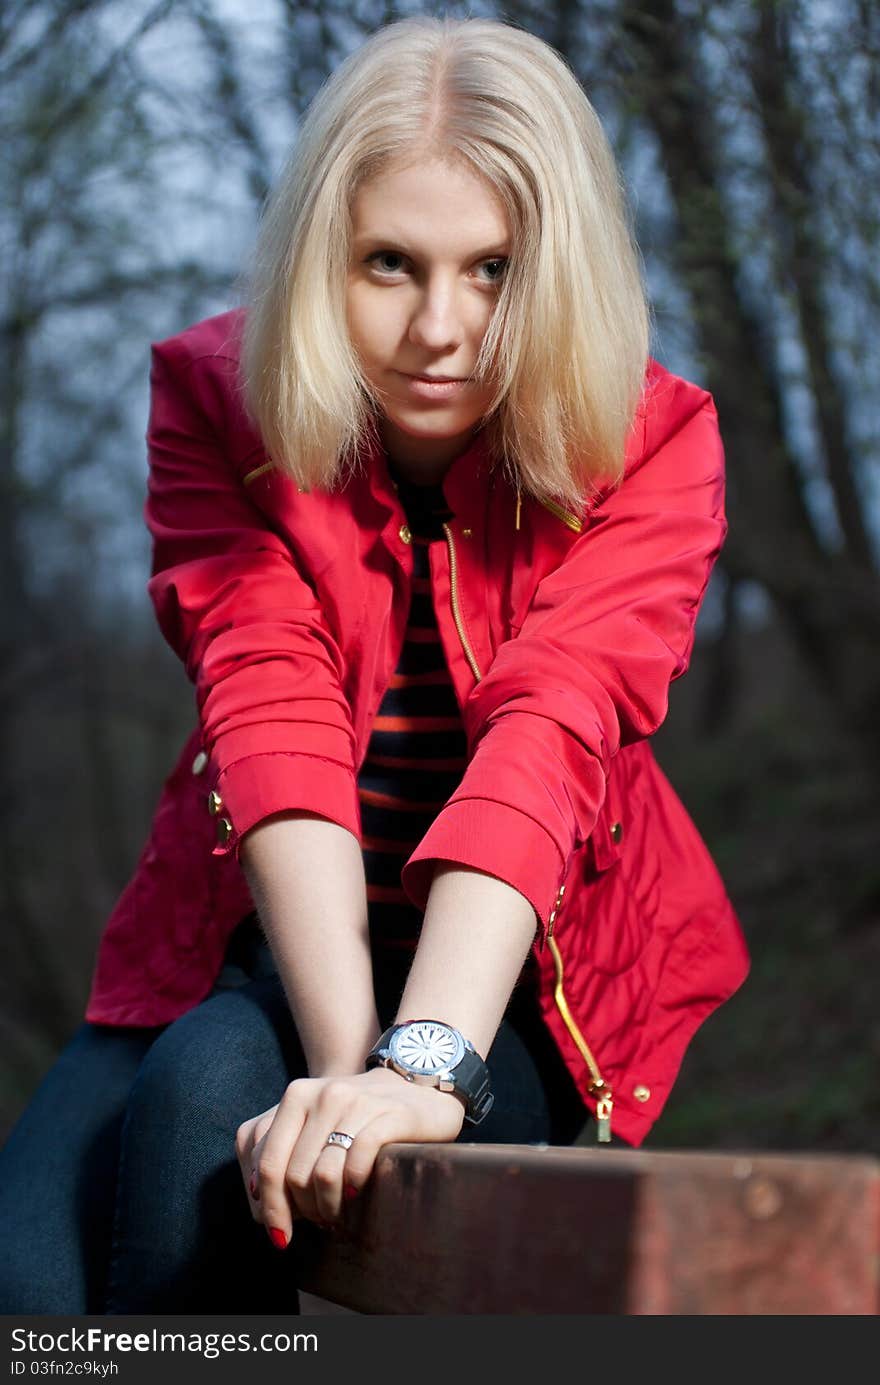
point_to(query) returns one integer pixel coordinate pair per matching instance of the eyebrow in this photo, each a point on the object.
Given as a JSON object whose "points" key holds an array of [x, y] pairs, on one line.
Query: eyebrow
{"points": [[391, 242]]}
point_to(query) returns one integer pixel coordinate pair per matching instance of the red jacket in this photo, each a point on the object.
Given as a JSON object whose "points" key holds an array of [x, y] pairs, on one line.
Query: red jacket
{"points": [[562, 634]]}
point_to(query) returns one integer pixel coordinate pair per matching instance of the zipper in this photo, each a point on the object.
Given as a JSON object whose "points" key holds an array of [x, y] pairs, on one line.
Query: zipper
{"points": [[598, 1086], [573, 521], [257, 471], [566, 516], [456, 608]]}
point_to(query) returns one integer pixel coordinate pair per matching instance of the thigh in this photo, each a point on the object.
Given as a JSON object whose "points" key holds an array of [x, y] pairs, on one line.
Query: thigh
{"points": [[184, 1239], [58, 1175]]}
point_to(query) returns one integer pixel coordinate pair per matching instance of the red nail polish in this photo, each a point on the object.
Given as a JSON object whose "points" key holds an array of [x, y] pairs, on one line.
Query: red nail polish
{"points": [[350, 1191], [277, 1238]]}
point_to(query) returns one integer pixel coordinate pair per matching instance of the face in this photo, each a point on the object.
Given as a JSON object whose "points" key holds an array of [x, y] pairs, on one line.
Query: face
{"points": [[429, 247]]}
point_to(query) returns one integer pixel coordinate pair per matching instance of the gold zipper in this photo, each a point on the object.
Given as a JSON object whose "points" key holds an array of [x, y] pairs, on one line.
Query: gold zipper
{"points": [[456, 609], [257, 471], [573, 521], [598, 1086], [566, 516]]}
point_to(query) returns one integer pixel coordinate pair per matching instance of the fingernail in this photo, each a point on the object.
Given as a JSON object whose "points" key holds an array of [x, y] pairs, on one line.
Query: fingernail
{"points": [[350, 1191], [277, 1238], [255, 1192]]}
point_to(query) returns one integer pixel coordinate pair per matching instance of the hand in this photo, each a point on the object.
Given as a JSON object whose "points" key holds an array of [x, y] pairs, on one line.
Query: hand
{"points": [[289, 1169]]}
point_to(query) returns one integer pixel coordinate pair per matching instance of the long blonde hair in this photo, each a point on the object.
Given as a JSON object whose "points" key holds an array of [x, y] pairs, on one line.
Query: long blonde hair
{"points": [[567, 343]]}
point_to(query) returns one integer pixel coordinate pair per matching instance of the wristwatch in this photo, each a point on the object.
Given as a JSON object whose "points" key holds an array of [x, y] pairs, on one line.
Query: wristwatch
{"points": [[435, 1054]]}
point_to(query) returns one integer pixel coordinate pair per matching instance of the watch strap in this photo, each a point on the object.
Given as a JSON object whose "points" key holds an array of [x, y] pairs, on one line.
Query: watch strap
{"points": [[471, 1076]]}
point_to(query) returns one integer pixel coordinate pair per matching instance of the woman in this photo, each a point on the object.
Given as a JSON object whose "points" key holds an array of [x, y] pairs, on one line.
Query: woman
{"points": [[431, 533]]}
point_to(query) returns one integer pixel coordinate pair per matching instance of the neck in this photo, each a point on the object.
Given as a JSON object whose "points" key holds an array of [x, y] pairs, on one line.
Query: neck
{"points": [[422, 461]]}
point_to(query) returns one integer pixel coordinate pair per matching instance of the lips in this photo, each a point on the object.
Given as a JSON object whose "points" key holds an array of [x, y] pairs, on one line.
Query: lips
{"points": [[439, 379], [434, 388]]}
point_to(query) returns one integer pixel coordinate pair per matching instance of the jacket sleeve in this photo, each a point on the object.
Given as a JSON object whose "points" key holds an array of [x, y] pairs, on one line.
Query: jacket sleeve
{"points": [[589, 670], [232, 603]]}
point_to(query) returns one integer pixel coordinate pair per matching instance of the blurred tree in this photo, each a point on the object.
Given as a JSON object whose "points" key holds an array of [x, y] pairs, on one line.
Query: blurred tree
{"points": [[86, 159]]}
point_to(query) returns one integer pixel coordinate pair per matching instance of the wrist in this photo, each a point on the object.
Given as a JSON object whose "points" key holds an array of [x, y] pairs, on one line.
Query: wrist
{"points": [[391, 1080]]}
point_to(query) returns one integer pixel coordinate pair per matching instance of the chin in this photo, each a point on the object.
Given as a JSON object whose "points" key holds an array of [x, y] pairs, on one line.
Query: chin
{"points": [[423, 426]]}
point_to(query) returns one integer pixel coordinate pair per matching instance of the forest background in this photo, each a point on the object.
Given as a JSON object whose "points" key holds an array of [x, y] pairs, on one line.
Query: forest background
{"points": [[137, 143]]}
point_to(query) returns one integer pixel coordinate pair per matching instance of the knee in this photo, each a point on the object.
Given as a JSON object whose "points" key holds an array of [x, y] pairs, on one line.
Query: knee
{"points": [[216, 1066]]}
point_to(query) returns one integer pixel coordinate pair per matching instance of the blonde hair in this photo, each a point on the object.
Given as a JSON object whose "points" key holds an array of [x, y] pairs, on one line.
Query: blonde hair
{"points": [[567, 343]]}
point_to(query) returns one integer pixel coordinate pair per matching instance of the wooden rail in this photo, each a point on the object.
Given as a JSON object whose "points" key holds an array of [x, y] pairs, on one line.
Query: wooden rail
{"points": [[524, 1229]]}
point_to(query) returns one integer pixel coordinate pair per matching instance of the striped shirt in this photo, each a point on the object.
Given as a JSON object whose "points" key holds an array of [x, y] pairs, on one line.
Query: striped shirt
{"points": [[417, 750]]}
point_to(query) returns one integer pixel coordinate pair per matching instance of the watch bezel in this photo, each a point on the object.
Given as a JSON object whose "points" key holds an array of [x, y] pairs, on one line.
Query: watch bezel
{"points": [[448, 1069]]}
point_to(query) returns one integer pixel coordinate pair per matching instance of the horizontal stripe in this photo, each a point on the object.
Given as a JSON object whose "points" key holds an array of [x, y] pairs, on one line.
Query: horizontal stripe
{"points": [[416, 723], [454, 762], [385, 894], [390, 844], [385, 800], [421, 680]]}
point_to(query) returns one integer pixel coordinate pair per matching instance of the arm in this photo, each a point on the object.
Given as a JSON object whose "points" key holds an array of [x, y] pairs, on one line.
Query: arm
{"points": [[234, 605], [307, 879], [589, 670], [475, 937]]}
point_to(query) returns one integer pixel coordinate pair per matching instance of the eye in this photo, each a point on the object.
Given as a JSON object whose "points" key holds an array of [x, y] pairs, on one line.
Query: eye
{"points": [[497, 266], [385, 255], [500, 264]]}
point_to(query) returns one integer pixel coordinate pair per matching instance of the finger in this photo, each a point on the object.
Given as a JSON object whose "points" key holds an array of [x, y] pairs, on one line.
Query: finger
{"points": [[316, 1169], [398, 1124], [338, 1174], [329, 1176], [247, 1137], [244, 1145], [271, 1157]]}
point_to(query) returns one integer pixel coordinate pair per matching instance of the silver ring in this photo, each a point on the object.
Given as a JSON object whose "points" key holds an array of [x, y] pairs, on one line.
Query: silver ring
{"points": [[339, 1137]]}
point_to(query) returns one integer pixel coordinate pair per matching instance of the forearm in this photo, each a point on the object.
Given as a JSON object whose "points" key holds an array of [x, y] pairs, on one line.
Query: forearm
{"points": [[306, 876], [476, 934]]}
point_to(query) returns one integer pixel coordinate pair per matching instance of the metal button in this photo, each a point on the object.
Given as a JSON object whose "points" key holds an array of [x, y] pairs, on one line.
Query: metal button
{"points": [[616, 831], [405, 533], [215, 803], [224, 831], [642, 1093], [466, 533], [200, 763]]}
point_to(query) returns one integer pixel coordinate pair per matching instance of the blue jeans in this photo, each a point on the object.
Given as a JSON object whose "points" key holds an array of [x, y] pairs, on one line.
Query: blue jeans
{"points": [[120, 1191]]}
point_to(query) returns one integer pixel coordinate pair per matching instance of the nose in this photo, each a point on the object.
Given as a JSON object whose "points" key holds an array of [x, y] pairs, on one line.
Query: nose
{"points": [[436, 320]]}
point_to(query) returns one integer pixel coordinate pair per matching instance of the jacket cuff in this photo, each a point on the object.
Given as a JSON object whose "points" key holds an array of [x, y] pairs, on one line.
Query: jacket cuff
{"points": [[260, 786], [494, 838]]}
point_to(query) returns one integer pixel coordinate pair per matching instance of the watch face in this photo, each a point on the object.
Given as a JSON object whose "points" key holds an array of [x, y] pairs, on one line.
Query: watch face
{"points": [[427, 1047]]}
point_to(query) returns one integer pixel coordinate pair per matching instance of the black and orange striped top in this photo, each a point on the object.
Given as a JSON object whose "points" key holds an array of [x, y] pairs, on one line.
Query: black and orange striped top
{"points": [[417, 750]]}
